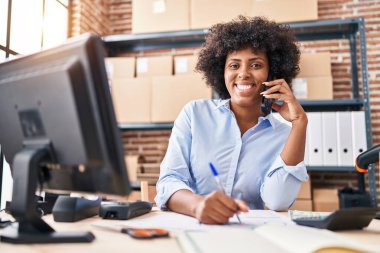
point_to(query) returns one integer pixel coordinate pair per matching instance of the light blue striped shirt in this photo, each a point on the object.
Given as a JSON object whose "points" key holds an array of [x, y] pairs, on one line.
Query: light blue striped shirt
{"points": [[250, 166]]}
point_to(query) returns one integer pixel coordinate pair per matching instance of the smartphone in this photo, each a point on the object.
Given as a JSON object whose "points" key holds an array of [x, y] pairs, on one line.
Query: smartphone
{"points": [[266, 103]]}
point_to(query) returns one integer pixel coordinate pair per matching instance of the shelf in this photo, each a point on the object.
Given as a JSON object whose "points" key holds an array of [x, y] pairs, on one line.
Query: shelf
{"points": [[330, 168], [312, 30], [146, 126], [332, 105], [149, 41], [308, 105], [326, 29]]}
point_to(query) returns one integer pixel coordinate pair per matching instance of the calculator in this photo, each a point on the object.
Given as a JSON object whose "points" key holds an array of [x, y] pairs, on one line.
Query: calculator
{"points": [[343, 219]]}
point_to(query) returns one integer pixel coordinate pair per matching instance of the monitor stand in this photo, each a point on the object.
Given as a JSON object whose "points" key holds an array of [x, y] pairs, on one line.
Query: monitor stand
{"points": [[31, 228]]}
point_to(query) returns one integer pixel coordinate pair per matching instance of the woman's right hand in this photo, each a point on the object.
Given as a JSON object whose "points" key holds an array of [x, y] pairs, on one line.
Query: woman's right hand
{"points": [[217, 208]]}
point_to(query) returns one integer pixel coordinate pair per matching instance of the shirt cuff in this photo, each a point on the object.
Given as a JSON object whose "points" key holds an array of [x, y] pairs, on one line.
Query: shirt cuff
{"points": [[298, 171], [166, 190]]}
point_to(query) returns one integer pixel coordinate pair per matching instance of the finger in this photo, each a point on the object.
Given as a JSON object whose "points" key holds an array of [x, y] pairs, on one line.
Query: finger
{"points": [[279, 97], [221, 203], [215, 218], [228, 202], [272, 89], [281, 82], [243, 207], [224, 210], [276, 89]]}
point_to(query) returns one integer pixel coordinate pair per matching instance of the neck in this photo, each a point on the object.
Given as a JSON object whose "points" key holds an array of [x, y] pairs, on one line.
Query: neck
{"points": [[246, 116]]}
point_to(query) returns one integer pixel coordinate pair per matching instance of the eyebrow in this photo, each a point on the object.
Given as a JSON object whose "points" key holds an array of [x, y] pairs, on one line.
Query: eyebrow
{"points": [[251, 59]]}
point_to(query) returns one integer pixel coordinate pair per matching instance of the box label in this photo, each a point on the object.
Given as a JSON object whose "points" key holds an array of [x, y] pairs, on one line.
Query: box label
{"points": [[299, 86], [181, 65], [142, 65], [159, 6]]}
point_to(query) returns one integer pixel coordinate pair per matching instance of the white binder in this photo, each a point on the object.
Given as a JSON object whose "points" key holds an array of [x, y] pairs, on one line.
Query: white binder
{"points": [[329, 139], [314, 136], [280, 118], [306, 157], [359, 140], [344, 136]]}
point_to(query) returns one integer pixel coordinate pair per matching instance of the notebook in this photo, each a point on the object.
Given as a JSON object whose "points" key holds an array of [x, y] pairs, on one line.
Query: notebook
{"points": [[269, 238]]}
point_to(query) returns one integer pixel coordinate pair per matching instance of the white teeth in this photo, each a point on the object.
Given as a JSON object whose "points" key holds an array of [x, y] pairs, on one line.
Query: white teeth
{"points": [[243, 87]]}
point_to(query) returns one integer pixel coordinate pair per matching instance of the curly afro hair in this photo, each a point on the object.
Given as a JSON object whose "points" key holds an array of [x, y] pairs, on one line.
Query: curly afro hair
{"points": [[276, 40]]}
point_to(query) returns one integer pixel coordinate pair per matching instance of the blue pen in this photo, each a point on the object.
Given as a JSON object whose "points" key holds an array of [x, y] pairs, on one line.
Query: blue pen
{"points": [[217, 179]]}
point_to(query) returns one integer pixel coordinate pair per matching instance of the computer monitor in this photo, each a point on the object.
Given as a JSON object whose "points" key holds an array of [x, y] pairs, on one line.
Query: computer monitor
{"points": [[58, 129]]}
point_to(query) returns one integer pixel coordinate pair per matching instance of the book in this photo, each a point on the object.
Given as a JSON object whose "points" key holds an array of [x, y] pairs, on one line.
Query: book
{"points": [[269, 238]]}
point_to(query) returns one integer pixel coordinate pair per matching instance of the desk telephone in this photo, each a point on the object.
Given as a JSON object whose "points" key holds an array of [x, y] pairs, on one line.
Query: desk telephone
{"points": [[343, 219]]}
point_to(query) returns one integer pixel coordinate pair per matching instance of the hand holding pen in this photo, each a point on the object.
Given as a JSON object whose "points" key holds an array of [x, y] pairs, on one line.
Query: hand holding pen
{"points": [[217, 207]]}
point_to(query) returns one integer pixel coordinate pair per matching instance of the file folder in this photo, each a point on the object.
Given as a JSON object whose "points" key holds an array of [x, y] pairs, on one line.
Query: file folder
{"points": [[329, 139], [306, 157], [344, 136], [314, 136], [359, 140]]}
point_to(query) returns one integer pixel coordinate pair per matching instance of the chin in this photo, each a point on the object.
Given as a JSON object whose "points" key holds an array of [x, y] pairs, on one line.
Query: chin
{"points": [[244, 102]]}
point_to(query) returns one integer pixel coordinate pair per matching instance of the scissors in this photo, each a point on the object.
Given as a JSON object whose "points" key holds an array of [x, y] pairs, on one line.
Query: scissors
{"points": [[138, 233]]}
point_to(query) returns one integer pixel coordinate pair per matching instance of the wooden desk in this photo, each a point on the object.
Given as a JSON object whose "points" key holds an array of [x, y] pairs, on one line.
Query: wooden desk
{"points": [[110, 241]]}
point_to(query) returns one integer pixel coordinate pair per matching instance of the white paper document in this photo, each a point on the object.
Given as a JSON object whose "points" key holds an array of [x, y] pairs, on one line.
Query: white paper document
{"points": [[180, 222]]}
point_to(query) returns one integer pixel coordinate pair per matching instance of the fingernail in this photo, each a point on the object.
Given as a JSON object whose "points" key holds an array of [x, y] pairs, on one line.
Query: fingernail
{"points": [[265, 83]]}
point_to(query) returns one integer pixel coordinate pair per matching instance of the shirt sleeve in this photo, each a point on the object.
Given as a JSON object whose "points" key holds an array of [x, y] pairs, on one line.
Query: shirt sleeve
{"points": [[282, 183], [175, 168]]}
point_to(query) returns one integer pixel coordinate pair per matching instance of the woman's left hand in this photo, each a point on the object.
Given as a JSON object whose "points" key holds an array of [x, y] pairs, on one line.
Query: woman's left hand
{"points": [[279, 90]]}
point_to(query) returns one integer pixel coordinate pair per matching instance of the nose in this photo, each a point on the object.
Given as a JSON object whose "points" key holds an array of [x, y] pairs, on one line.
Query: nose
{"points": [[243, 72]]}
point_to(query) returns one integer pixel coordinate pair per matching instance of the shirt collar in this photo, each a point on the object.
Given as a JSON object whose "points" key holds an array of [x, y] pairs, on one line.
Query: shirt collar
{"points": [[226, 104], [270, 118], [223, 102]]}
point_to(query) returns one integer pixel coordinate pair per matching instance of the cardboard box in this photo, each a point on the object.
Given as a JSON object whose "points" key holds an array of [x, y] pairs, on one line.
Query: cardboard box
{"points": [[171, 93], [120, 67], [204, 14], [318, 87], [185, 64], [325, 200], [305, 190], [286, 10], [315, 64], [160, 15], [132, 99], [302, 205], [154, 66], [131, 161]]}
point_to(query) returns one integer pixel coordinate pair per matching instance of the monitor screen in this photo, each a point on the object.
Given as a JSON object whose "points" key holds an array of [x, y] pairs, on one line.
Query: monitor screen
{"points": [[57, 115]]}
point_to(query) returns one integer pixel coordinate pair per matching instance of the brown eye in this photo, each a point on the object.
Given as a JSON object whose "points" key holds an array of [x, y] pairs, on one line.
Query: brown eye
{"points": [[234, 66], [256, 66]]}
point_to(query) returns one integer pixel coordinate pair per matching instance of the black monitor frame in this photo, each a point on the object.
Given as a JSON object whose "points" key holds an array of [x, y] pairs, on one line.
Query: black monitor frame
{"points": [[1, 175], [59, 130]]}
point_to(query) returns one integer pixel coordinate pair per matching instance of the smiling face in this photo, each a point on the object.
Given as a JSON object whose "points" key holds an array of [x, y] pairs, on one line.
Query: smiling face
{"points": [[244, 73]]}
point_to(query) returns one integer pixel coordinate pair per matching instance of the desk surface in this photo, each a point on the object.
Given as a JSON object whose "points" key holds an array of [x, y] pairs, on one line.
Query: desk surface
{"points": [[110, 241]]}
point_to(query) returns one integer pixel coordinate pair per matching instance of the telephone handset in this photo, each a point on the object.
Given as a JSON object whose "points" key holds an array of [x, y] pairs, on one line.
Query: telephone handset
{"points": [[266, 103]]}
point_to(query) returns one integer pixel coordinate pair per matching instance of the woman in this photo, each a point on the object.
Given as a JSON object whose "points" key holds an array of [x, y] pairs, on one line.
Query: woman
{"points": [[259, 159]]}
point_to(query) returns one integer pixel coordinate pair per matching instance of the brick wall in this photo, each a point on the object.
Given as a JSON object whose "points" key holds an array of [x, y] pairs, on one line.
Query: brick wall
{"points": [[114, 17], [119, 14], [102, 17], [89, 16]]}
